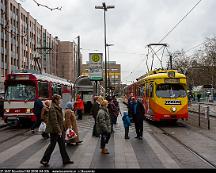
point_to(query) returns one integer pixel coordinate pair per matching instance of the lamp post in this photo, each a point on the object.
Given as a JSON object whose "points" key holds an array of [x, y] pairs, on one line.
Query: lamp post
{"points": [[105, 8], [108, 45]]}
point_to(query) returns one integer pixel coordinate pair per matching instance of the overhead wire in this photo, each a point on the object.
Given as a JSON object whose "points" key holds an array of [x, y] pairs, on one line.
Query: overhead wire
{"points": [[168, 33]]}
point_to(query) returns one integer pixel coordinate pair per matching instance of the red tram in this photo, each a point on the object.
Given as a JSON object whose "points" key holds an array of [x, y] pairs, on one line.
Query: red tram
{"points": [[22, 89]]}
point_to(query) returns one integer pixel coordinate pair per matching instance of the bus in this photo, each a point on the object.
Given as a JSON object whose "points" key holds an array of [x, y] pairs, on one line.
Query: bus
{"points": [[22, 89]]}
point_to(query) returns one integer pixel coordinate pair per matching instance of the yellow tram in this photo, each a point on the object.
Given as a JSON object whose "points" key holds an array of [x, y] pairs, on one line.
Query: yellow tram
{"points": [[164, 95]]}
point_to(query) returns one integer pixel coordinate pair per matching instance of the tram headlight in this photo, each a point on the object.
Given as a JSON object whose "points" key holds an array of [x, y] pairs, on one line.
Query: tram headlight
{"points": [[7, 110], [173, 109], [28, 110]]}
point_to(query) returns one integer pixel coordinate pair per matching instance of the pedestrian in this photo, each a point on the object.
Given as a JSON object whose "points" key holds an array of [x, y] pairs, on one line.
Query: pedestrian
{"points": [[103, 126], [94, 111], [79, 107], [116, 103], [130, 106], [56, 130], [138, 117], [112, 111], [127, 122], [38, 106], [70, 122], [44, 117], [198, 97]]}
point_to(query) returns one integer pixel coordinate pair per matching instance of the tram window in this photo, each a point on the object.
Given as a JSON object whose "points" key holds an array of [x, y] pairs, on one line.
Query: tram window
{"points": [[147, 90], [151, 90], [141, 90], [170, 91], [43, 89], [54, 88], [59, 89]]}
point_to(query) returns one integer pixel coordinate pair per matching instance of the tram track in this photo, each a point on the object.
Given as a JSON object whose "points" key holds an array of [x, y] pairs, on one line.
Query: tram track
{"points": [[14, 136], [188, 148]]}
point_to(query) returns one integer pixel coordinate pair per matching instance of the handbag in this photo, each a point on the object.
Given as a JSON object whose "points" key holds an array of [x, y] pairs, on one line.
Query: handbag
{"points": [[42, 127], [70, 134]]}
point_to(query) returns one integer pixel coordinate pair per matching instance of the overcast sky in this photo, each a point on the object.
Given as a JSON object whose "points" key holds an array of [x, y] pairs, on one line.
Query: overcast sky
{"points": [[131, 25]]}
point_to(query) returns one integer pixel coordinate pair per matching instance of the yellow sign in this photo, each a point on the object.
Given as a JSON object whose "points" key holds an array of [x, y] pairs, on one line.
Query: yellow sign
{"points": [[96, 57]]}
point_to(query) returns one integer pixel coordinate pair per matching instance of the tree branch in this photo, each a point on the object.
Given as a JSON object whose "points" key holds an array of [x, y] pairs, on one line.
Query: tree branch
{"points": [[42, 5]]}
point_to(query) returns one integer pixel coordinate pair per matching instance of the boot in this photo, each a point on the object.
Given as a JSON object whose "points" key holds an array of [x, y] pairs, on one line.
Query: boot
{"points": [[104, 151]]}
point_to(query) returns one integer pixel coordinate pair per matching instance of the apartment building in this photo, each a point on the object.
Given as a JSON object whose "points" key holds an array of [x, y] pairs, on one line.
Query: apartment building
{"points": [[25, 44], [67, 60]]}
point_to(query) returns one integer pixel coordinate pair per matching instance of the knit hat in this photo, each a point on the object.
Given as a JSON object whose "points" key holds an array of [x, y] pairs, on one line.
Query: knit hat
{"points": [[69, 105]]}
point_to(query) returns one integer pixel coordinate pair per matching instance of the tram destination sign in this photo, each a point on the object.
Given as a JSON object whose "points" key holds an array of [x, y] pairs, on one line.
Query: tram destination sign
{"points": [[170, 80], [96, 66]]}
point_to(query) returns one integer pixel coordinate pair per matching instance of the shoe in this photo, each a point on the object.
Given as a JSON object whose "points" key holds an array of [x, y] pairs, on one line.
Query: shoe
{"points": [[127, 137], [44, 163], [32, 131], [68, 162], [72, 144], [79, 142], [104, 151], [137, 137], [140, 138]]}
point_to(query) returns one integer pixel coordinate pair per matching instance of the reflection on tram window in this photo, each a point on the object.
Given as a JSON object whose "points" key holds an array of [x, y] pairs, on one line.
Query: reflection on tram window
{"points": [[20, 92], [170, 91]]}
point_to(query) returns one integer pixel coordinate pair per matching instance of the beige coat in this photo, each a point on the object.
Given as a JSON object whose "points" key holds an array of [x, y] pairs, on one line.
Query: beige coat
{"points": [[70, 122], [45, 114]]}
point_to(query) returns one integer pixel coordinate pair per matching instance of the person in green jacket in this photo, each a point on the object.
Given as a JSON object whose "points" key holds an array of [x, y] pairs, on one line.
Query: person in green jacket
{"points": [[56, 130], [103, 125]]}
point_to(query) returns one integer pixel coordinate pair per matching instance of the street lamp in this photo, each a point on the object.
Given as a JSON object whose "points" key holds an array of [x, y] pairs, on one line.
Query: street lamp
{"points": [[108, 45], [105, 8]]}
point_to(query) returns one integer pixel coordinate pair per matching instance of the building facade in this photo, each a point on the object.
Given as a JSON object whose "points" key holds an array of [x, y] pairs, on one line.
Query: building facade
{"points": [[113, 74], [25, 44], [67, 60]]}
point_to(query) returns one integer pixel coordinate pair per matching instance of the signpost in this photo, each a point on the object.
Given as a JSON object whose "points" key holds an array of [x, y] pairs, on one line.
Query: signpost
{"points": [[96, 67]]}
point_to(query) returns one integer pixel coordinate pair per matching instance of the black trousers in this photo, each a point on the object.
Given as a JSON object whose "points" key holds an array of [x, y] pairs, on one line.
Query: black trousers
{"points": [[104, 139], [53, 139], [79, 114], [126, 131], [139, 128], [94, 132]]}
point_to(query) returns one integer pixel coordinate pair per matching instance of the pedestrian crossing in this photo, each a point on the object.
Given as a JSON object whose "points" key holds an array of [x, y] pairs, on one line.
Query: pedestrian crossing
{"points": [[123, 153]]}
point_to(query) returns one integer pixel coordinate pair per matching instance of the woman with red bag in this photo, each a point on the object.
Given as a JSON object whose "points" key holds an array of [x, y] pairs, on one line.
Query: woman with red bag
{"points": [[70, 122]]}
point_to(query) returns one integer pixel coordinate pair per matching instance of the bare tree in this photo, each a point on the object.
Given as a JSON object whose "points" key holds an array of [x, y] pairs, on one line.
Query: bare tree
{"points": [[45, 6]]}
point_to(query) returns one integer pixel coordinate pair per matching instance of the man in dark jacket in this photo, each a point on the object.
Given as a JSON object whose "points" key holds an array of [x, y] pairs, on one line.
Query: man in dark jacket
{"points": [[38, 106], [138, 117], [56, 130], [112, 111], [117, 109], [94, 112], [130, 106]]}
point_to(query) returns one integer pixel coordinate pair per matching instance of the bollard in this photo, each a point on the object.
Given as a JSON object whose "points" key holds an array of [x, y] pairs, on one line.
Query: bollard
{"points": [[208, 118], [199, 114]]}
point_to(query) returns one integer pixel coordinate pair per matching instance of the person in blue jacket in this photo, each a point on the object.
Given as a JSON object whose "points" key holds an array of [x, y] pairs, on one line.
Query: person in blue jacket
{"points": [[127, 122]]}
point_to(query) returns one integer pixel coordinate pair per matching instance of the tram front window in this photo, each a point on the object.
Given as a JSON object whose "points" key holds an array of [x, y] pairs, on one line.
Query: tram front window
{"points": [[20, 91], [170, 91]]}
